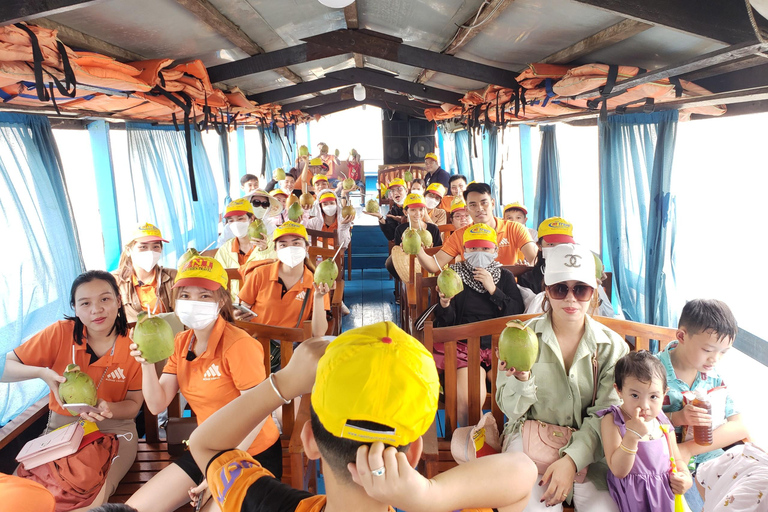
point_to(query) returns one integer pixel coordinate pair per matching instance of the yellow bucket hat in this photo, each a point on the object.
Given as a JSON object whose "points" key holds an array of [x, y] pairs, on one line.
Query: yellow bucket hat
{"points": [[556, 230], [480, 235], [290, 228], [238, 207], [381, 374], [147, 233], [414, 200], [517, 206], [204, 272], [437, 189], [431, 156]]}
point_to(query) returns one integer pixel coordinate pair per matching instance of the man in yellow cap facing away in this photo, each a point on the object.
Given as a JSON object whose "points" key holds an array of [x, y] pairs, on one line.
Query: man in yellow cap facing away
{"points": [[435, 173], [374, 394]]}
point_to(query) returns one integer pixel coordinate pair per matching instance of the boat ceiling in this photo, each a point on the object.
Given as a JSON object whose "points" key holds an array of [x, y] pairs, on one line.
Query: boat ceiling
{"points": [[510, 33]]}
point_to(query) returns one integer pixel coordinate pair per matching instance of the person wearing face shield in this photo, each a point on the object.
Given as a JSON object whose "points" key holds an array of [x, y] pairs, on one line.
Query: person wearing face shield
{"points": [[241, 248], [330, 219], [283, 293], [432, 198], [213, 363], [489, 292], [144, 284]]}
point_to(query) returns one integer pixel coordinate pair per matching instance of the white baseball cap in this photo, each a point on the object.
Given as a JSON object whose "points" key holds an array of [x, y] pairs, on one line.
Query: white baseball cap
{"points": [[570, 262]]}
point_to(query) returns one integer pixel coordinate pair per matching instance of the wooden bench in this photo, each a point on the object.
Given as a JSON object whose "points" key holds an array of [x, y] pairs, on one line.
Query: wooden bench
{"points": [[20, 423], [389, 172]]}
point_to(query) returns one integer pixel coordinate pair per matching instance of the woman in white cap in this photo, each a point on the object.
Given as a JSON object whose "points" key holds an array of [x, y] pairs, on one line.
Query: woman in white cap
{"points": [[213, 363], [560, 387], [144, 284]]}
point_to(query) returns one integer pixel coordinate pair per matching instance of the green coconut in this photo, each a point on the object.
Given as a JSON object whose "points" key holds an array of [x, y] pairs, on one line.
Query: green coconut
{"points": [[426, 237], [326, 272], [411, 241], [598, 268], [449, 282], [79, 387], [348, 184], [191, 253], [518, 346], [279, 174], [257, 229], [372, 206], [154, 337], [303, 150], [295, 211], [408, 176], [306, 200]]}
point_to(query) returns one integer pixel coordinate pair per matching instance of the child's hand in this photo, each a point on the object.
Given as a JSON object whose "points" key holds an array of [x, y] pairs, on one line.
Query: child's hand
{"points": [[638, 424], [399, 485], [679, 482], [694, 416]]}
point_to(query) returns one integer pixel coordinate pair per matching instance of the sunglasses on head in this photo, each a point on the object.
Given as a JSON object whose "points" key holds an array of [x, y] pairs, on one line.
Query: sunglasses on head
{"points": [[581, 292], [264, 204]]}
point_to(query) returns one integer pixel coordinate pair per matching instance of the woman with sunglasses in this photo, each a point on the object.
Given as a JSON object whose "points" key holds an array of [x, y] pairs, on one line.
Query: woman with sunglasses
{"points": [[266, 208], [489, 292], [560, 387]]}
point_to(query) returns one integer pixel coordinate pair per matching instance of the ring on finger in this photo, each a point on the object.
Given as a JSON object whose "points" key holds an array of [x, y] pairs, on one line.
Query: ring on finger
{"points": [[379, 472], [565, 495]]}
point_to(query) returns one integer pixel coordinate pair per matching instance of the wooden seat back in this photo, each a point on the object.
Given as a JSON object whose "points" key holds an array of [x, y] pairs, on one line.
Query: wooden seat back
{"points": [[327, 239], [337, 294], [389, 172]]}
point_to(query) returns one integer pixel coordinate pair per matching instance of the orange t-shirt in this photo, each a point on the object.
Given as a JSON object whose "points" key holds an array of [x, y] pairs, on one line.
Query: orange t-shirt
{"points": [[232, 362], [445, 203], [24, 494], [52, 348], [241, 258], [148, 295], [264, 291], [510, 236]]}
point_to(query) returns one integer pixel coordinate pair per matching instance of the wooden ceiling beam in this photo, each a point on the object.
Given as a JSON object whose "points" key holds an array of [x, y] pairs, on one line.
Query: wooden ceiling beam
{"points": [[79, 40], [464, 35], [727, 22], [294, 91], [211, 16], [387, 81], [603, 39], [14, 11], [321, 99], [351, 17], [332, 108], [270, 61]]}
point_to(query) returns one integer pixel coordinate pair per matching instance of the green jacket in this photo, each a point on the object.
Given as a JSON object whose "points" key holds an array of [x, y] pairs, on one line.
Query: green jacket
{"points": [[566, 399]]}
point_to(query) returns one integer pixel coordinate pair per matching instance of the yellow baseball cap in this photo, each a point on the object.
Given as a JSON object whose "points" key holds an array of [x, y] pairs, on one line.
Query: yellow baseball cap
{"points": [[430, 155], [556, 230], [517, 206], [277, 192], [202, 271], [381, 374], [437, 189], [238, 207], [147, 233], [316, 162], [397, 182], [290, 228], [327, 196], [384, 189], [414, 200], [480, 235], [458, 204], [319, 177]]}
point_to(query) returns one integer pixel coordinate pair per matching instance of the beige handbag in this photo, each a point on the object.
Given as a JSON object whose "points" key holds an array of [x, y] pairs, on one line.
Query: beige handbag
{"points": [[542, 441]]}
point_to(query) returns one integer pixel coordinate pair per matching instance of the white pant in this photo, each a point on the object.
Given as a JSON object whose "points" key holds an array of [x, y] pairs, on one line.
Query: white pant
{"points": [[586, 497]]}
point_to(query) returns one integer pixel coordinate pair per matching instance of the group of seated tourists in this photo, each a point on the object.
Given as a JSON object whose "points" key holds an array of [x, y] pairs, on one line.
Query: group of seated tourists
{"points": [[375, 390]]}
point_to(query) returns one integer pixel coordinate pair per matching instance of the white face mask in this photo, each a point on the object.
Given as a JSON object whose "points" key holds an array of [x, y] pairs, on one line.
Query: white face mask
{"points": [[431, 202], [400, 201], [259, 212], [330, 209], [196, 314], [292, 256], [546, 251], [145, 260], [239, 229], [480, 259]]}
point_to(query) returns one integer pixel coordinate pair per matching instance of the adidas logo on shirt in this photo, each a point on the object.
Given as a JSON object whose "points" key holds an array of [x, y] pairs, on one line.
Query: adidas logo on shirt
{"points": [[504, 242], [212, 373], [116, 375]]}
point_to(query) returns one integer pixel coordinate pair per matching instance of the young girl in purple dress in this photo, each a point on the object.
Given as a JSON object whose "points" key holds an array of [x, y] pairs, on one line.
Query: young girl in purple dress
{"points": [[636, 449]]}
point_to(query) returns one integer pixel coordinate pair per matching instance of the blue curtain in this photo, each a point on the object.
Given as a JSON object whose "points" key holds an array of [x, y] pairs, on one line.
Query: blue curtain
{"points": [[463, 160], [281, 151], [639, 225], [547, 203], [490, 151], [158, 161], [38, 271], [224, 159]]}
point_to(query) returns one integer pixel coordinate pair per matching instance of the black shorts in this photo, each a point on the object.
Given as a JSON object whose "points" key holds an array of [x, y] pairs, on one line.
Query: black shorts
{"points": [[271, 459]]}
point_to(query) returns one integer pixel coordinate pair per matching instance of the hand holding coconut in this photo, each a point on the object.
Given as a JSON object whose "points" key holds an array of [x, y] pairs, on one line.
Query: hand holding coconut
{"points": [[518, 350], [53, 380]]}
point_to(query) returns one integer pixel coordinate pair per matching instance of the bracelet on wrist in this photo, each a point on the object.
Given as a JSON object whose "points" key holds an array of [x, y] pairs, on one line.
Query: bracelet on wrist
{"points": [[634, 432], [627, 450], [277, 391]]}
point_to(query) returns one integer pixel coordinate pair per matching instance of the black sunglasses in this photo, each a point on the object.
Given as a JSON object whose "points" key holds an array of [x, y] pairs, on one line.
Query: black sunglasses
{"points": [[264, 204], [581, 292]]}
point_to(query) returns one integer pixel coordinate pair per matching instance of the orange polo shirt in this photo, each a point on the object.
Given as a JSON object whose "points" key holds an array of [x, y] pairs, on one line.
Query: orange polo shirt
{"points": [[232, 362], [510, 236], [241, 258], [263, 290], [24, 494], [52, 348], [445, 203], [148, 295]]}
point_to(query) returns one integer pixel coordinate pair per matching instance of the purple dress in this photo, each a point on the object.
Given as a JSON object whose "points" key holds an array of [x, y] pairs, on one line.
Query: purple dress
{"points": [[646, 487]]}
